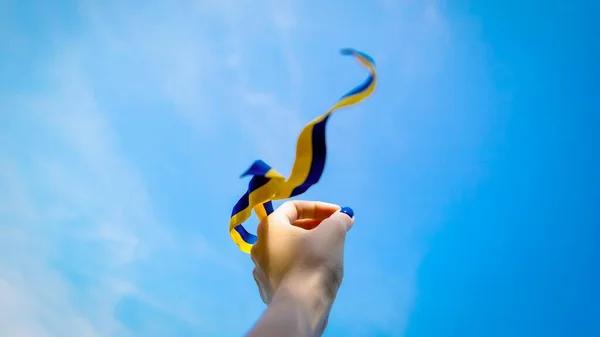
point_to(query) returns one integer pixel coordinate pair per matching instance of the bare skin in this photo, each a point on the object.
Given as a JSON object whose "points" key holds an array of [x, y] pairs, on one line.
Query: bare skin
{"points": [[299, 267]]}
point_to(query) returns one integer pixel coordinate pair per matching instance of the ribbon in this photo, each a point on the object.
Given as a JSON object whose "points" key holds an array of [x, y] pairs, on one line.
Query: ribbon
{"points": [[267, 184]]}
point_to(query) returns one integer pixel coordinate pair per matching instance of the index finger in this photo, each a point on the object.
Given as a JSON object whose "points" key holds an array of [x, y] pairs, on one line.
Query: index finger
{"points": [[300, 209]]}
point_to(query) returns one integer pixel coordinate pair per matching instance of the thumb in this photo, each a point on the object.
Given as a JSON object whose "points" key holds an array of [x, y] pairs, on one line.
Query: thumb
{"points": [[339, 222], [345, 216]]}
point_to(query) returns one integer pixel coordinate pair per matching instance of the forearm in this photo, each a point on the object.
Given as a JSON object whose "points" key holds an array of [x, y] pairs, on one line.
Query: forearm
{"points": [[295, 311]]}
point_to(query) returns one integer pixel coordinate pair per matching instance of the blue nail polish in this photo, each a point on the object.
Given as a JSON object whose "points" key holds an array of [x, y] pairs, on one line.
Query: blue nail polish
{"points": [[348, 211]]}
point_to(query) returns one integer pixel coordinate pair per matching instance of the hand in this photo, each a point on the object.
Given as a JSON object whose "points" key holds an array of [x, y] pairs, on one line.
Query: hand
{"points": [[299, 254]]}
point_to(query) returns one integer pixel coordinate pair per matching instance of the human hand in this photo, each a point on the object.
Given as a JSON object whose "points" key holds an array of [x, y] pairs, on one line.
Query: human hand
{"points": [[300, 253]]}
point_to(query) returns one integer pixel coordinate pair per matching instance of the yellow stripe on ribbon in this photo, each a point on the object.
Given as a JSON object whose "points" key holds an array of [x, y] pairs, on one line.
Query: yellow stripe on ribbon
{"points": [[311, 151]]}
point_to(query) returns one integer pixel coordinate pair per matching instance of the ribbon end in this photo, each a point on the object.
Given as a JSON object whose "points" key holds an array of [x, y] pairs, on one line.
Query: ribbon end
{"points": [[258, 168], [347, 51], [354, 52]]}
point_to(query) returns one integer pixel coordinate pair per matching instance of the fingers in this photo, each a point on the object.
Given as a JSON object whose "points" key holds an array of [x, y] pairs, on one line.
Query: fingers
{"points": [[307, 224], [298, 210]]}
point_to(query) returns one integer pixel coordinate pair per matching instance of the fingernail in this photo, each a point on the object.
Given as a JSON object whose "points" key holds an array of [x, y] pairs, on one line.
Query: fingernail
{"points": [[348, 211]]}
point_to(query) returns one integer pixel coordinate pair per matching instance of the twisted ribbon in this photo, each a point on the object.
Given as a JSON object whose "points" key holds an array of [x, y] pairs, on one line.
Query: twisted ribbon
{"points": [[267, 184]]}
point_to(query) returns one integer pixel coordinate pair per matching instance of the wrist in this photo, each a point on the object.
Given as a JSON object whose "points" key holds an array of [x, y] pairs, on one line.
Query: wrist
{"points": [[311, 292]]}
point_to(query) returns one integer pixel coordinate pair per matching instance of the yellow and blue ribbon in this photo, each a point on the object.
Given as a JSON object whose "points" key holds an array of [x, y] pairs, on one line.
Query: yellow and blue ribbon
{"points": [[267, 184]]}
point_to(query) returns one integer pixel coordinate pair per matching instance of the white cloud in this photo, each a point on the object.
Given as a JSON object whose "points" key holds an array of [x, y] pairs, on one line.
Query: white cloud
{"points": [[73, 194], [76, 202], [177, 56]]}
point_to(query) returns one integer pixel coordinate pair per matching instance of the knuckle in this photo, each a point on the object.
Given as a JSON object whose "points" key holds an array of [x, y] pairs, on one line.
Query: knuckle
{"points": [[259, 284], [261, 229], [255, 254], [256, 275], [287, 204]]}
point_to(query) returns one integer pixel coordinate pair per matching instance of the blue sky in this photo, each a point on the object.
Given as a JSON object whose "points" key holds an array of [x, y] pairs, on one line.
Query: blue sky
{"points": [[472, 169]]}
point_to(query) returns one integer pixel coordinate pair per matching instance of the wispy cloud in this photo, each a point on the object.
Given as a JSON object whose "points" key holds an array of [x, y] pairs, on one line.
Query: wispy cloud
{"points": [[78, 221], [86, 235], [76, 205], [175, 57]]}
